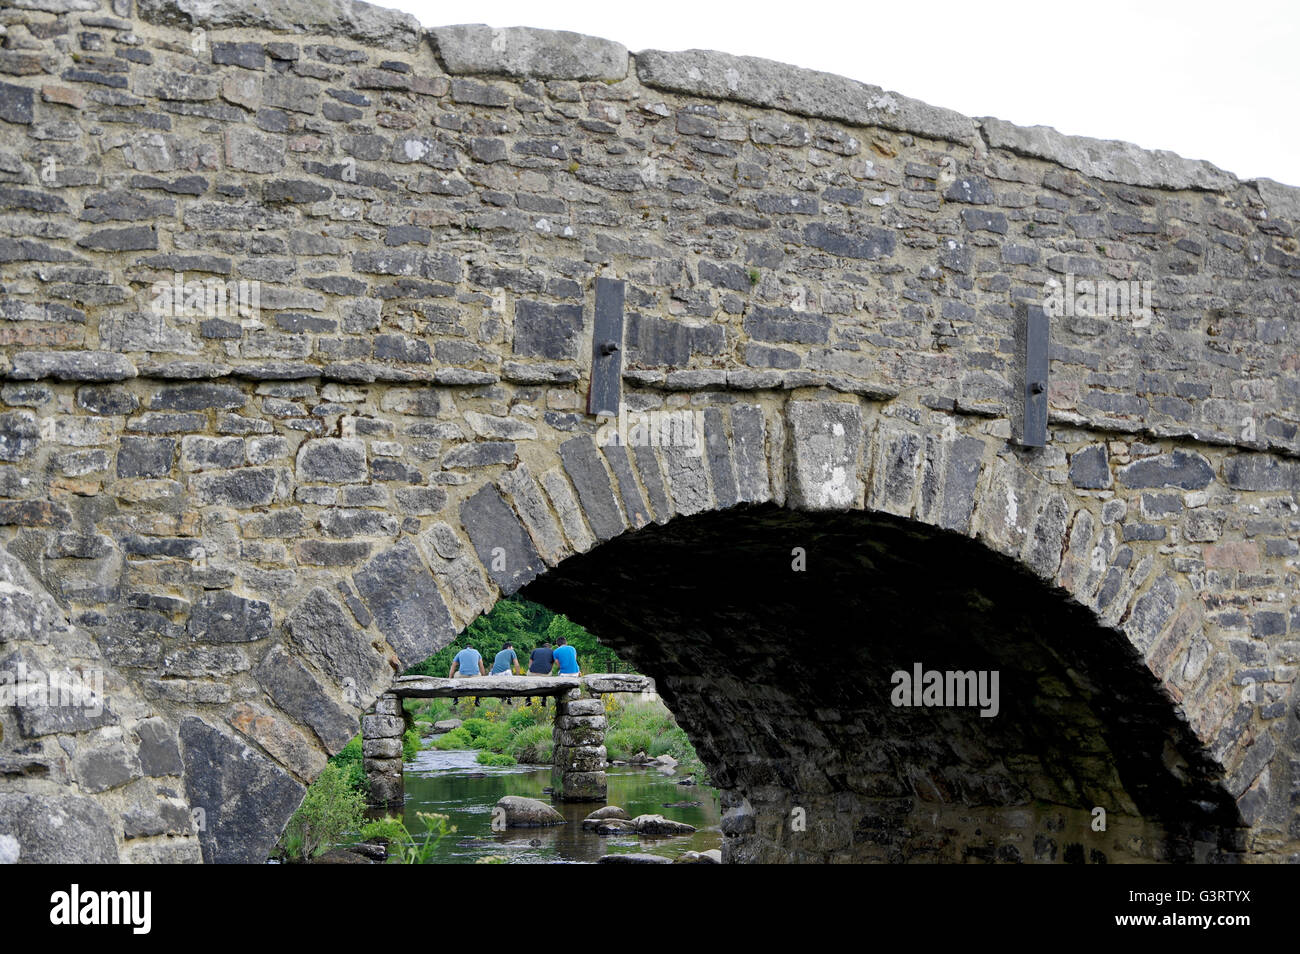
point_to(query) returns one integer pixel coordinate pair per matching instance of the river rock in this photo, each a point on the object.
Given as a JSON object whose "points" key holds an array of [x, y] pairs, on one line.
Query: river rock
{"points": [[615, 826], [373, 850], [600, 814], [634, 859], [658, 825], [711, 857], [665, 760], [341, 856], [529, 812], [446, 725]]}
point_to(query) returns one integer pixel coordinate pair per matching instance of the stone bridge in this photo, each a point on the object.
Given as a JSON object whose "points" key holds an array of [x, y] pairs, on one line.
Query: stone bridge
{"points": [[578, 765], [298, 331]]}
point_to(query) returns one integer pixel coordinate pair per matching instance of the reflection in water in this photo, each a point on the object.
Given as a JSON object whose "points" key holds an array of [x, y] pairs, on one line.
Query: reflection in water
{"points": [[452, 783]]}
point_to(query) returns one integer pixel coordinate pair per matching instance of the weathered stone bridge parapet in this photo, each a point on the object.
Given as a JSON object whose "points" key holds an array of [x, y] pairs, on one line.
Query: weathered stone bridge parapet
{"points": [[579, 732], [249, 522]]}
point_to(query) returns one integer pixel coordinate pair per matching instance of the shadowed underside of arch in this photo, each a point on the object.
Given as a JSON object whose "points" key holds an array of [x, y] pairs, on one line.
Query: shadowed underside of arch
{"points": [[779, 661]]}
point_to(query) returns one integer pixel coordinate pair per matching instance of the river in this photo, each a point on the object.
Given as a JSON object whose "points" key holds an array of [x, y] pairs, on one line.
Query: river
{"points": [[452, 783]]}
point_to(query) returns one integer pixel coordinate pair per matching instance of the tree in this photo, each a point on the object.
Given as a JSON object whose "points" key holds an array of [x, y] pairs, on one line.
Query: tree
{"points": [[525, 624]]}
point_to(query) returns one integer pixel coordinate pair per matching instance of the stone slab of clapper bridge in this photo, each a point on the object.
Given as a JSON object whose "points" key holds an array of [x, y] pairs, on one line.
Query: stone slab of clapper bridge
{"points": [[578, 765]]}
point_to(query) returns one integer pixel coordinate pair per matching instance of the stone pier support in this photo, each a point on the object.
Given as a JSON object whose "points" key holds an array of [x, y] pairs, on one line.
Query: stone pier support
{"points": [[381, 748], [578, 765]]}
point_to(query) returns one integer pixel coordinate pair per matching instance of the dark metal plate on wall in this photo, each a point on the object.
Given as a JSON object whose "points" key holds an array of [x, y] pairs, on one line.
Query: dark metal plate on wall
{"points": [[1033, 339], [607, 348]]}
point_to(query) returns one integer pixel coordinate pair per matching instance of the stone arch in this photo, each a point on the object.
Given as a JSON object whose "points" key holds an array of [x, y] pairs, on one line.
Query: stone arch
{"points": [[251, 526]]}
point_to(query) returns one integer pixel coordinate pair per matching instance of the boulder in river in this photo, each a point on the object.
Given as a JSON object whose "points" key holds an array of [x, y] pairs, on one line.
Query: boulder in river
{"points": [[616, 826], [658, 825], [528, 812], [632, 858], [446, 725], [603, 814], [711, 857]]}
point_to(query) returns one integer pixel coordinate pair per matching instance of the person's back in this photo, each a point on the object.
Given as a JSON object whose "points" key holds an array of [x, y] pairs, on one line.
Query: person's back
{"points": [[469, 661], [567, 657], [505, 661], [541, 661]]}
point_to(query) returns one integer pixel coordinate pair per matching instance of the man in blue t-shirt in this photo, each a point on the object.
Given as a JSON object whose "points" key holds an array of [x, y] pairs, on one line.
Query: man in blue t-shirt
{"points": [[505, 662], [542, 661], [567, 657], [467, 663]]}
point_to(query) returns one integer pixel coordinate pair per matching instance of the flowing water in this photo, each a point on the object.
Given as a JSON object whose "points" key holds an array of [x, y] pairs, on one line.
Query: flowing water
{"points": [[452, 783]]}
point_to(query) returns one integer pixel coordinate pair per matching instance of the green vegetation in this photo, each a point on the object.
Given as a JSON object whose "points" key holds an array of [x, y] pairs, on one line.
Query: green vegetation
{"points": [[388, 829], [754, 277], [411, 744], [503, 733], [402, 846], [522, 733], [350, 762], [525, 624], [650, 728], [533, 744], [331, 808]]}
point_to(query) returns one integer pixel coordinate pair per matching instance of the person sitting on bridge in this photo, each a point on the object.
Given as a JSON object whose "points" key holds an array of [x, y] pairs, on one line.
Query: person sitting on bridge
{"points": [[467, 663], [541, 662], [506, 662], [566, 657]]}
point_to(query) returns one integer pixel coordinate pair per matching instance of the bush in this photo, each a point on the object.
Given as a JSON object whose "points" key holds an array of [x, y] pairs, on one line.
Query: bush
{"points": [[455, 739], [485, 734], [388, 828], [627, 742], [330, 808], [350, 761], [522, 718], [410, 744], [534, 744], [493, 758]]}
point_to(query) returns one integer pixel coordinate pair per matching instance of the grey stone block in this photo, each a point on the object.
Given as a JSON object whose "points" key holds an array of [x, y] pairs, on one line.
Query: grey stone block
{"points": [[246, 798], [55, 829], [406, 604], [825, 443], [525, 51], [324, 633], [500, 540], [302, 696], [748, 79], [223, 617], [1107, 159], [583, 464]]}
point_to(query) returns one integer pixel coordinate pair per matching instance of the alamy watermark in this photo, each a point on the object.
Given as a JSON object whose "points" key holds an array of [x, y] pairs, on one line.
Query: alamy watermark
{"points": [[946, 687], [1100, 298], [63, 688], [680, 428], [206, 298]]}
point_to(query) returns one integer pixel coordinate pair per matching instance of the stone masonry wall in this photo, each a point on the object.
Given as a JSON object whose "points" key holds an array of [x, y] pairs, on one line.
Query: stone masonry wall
{"points": [[248, 523]]}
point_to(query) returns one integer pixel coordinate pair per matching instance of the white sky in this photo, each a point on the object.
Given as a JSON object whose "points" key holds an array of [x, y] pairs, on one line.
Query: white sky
{"points": [[1209, 81]]}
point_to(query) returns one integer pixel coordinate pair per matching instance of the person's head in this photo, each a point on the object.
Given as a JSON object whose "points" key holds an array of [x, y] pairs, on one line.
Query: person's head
{"points": [[508, 646], [561, 641], [546, 644]]}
